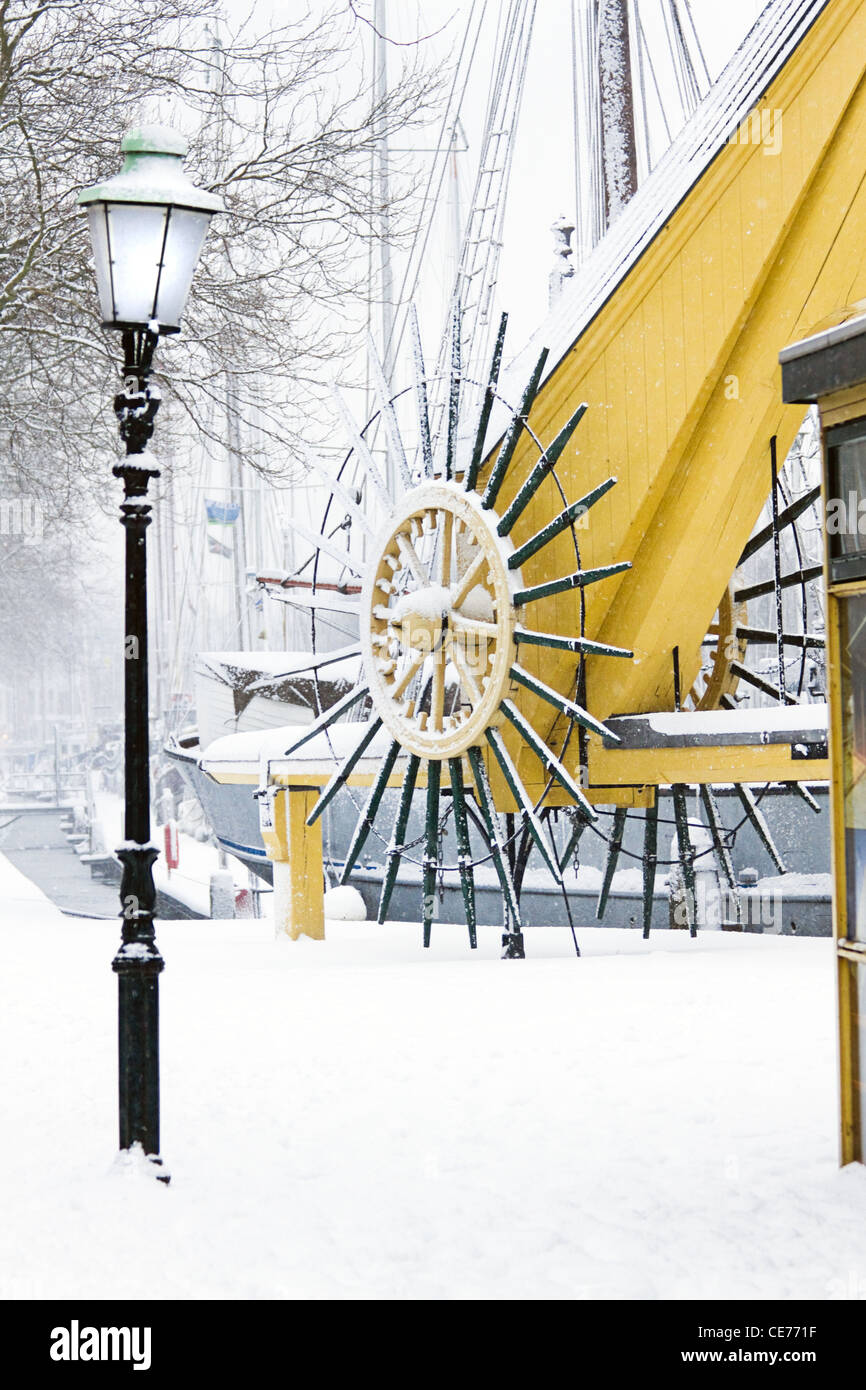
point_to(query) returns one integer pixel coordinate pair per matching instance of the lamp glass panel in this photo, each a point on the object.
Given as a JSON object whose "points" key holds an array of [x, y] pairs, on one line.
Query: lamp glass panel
{"points": [[186, 233], [136, 234], [99, 241]]}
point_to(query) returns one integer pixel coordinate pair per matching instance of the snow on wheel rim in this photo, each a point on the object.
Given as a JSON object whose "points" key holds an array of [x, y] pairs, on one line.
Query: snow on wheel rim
{"points": [[437, 621]]}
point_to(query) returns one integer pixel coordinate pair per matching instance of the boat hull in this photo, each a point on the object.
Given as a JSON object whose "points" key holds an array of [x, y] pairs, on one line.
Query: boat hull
{"points": [[797, 903]]}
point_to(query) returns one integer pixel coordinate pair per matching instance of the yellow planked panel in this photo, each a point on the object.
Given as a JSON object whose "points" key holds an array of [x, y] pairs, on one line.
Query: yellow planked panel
{"points": [[728, 446], [630, 466], [615, 445], [658, 422], [750, 246], [713, 322], [754, 248], [693, 334], [734, 295], [674, 350], [799, 135]]}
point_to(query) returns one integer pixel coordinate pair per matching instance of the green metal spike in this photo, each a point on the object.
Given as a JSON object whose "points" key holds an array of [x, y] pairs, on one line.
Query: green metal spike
{"points": [[341, 775], [398, 838], [577, 830], [361, 448], [368, 815], [580, 580], [722, 852], [581, 646], [453, 393], [548, 761], [805, 795], [787, 581], [613, 850], [484, 418], [326, 547], [512, 434], [767, 636], [686, 853], [650, 860], [784, 518], [421, 393], [567, 707], [393, 440], [500, 862], [431, 845], [714, 821], [553, 528], [751, 678], [464, 852], [521, 796], [752, 810], [548, 460], [329, 716], [347, 499]]}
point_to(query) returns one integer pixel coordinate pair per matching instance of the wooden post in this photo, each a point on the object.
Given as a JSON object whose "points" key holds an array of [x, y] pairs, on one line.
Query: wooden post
{"points": [[295, 850]]}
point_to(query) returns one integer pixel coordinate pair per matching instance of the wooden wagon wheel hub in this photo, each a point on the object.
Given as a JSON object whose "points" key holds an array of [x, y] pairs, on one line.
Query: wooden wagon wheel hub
{"points": [[438, 621]]}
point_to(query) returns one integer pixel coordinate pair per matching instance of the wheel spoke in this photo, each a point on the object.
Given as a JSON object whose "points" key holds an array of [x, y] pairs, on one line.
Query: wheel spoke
{"points": [[464, 671], [437, 695], [410, 555], [445, 527], [411, 670], [468, 580], [474, 625]]}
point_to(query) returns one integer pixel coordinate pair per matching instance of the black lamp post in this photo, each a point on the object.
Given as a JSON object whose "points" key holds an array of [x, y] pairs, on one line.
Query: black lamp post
{"points": [[147, 225]]}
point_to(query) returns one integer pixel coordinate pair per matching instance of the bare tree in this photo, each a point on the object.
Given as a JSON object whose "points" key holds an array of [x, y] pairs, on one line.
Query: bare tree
{"points": [[281, 124]]}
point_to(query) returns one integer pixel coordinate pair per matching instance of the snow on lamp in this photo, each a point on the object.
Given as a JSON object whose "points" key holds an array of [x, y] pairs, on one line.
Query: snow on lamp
{"points": [[147, 226]]}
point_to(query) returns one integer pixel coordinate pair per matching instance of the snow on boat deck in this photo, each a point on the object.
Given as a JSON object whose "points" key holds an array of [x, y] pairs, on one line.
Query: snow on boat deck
{"points": [[362, 1119]]}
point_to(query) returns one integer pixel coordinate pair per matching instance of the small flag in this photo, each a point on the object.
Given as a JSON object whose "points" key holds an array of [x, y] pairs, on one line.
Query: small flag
{"points": [[222, 513], [217, 548]]}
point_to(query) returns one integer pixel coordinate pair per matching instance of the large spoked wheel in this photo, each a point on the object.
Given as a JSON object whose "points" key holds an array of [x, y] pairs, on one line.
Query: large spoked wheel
{"points": [[438, 618], [444, 612]]}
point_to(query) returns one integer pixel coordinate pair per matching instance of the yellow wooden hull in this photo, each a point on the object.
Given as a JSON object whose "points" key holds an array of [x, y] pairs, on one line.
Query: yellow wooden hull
{"points": [[680, 371]]}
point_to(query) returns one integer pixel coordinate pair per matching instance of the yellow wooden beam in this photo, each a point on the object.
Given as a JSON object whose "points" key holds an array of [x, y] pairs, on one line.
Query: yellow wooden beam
{"points": [[308, 775], [730, 763]]}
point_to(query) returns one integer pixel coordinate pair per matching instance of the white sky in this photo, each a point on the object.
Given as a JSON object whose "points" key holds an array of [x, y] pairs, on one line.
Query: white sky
{"points": [[542, 183]]}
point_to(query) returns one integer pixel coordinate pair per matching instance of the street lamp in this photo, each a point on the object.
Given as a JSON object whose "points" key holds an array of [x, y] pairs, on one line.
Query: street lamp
{"points": [[147, 226]]}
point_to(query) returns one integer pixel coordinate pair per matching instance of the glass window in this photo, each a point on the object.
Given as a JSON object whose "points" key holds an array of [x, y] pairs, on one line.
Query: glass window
{"points": [[853, 646], [846, 500]]}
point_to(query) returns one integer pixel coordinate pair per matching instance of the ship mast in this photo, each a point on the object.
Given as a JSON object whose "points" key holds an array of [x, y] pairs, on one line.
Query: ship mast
{"points": [[383, 195], [618, 143]]}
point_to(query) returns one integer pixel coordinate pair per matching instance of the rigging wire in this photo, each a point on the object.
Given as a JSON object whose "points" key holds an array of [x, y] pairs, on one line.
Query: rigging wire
{"points": [[642, 54], [482, 236], [697, 43], [443, 147]]}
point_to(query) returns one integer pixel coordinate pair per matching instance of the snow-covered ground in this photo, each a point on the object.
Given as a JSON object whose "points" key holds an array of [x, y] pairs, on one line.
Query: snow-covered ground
{"points": [[362, 1119]]}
